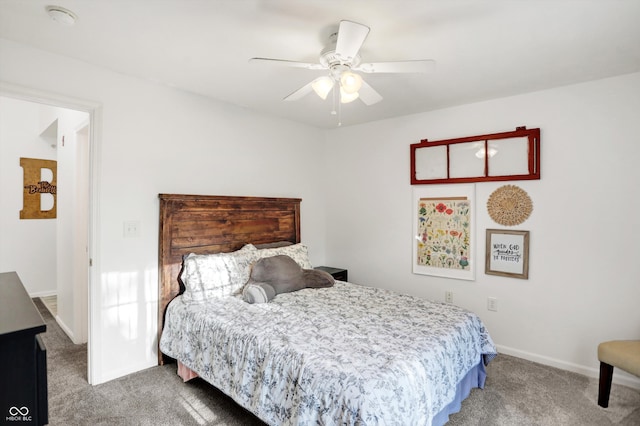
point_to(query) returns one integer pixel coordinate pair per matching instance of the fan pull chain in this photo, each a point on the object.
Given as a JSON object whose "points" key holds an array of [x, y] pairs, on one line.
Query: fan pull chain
{"points": [[336, 102]]}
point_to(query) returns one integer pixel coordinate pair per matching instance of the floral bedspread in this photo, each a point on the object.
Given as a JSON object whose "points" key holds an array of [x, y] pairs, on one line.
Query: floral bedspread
{"points": [[348, 354]]}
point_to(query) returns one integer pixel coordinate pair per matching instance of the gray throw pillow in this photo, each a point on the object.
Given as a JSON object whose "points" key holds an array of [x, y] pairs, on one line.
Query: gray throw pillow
{"points": [[283, 275]]}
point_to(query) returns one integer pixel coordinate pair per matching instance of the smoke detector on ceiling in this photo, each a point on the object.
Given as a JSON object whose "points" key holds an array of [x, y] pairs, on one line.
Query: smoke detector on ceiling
{"points": [[61, 15]]}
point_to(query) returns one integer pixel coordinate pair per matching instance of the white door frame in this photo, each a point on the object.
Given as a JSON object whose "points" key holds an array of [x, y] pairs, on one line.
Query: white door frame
{"points": [[94, 109], [81, 285]]}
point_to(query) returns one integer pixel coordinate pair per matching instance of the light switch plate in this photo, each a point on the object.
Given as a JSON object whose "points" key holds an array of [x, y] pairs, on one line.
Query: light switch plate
{"points": [[132, 229]]}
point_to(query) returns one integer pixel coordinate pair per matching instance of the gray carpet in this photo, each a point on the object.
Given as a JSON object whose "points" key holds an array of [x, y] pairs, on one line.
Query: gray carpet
{"points": [[517, 392]]}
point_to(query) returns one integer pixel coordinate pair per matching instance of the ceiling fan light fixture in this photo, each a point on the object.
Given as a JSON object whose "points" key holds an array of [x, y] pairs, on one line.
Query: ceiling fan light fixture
{"points": [[345, 97], [322, 86], [350, 82]]}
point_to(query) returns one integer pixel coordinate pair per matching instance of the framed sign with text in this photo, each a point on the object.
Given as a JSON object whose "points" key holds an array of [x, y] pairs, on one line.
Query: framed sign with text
{"points": [[507, 253]]}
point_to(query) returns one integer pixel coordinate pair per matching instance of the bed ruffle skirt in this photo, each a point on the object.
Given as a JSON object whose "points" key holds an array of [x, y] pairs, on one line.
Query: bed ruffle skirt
{"points": [[475, 378], [186, 373]]}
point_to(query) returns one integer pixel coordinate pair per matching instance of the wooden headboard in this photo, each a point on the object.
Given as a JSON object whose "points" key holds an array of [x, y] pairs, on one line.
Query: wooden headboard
{"points": [[206, 224]]}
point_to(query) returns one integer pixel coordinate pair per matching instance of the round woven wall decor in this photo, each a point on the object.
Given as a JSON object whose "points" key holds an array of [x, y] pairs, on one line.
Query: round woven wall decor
{"points": [[509, 205]]}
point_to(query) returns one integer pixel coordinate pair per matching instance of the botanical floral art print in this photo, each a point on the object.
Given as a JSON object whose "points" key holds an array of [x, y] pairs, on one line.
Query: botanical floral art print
{"points": [[444, 228]]}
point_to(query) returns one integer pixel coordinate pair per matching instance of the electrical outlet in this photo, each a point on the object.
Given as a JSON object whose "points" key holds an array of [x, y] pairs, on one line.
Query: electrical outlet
{"points": [[492, 304], [448, 296]]}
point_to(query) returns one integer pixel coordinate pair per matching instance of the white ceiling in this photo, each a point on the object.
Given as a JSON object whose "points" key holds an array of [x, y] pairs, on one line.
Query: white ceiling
{"points": [[484, 49]]}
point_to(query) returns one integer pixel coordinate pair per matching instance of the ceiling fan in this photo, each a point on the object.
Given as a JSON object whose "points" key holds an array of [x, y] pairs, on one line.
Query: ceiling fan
{"points": [[341, 58]]}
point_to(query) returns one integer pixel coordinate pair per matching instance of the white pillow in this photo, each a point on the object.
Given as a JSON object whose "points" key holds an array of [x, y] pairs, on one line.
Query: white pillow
{"points": [[217, 275], [297, 252]]}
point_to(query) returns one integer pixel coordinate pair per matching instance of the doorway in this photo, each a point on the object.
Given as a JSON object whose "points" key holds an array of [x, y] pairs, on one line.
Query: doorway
{"points": [[72, 122]]}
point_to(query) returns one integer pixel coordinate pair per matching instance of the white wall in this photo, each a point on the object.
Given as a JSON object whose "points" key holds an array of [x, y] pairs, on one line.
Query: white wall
{"points": [[158, 140], [583, 287], [27, 246]]}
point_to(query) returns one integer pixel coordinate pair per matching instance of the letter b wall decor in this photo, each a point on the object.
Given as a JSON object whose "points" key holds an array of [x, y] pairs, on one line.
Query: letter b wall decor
{"points": [[35, 187]]}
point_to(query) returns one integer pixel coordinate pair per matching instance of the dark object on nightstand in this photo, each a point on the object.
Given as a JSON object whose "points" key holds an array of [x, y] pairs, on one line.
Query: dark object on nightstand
{"points": [[23, 357], [337, 273]]}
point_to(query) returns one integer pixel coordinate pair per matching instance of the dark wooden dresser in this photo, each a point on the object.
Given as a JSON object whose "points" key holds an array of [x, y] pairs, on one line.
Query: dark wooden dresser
{"points": [[23, 357]]}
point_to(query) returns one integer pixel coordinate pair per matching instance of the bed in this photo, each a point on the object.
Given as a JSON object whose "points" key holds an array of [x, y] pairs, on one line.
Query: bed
{"points": [[347, 354]]}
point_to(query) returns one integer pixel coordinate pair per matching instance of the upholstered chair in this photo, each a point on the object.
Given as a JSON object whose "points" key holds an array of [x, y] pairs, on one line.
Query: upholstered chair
{"points": [[623, 354]]}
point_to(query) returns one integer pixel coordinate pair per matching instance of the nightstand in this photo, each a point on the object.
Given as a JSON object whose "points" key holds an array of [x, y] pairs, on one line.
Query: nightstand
{"points": [[337, 273]]}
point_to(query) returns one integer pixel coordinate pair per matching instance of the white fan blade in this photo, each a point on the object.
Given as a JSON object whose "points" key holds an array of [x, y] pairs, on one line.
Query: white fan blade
{"points": [[351, 36], [418, 66], [286, 63], [368, 95], [300, 93]]}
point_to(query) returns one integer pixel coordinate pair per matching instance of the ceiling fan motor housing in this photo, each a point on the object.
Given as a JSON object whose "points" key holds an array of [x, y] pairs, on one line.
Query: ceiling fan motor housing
{"points": [[329, 58]]}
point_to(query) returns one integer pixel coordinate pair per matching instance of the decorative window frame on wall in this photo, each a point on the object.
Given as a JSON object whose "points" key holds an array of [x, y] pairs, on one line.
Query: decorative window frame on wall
{"points": [[512, 155]]}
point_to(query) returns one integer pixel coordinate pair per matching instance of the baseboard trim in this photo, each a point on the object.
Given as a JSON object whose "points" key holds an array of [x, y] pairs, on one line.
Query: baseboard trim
{"points": [[619, 377], [66, 329]]}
